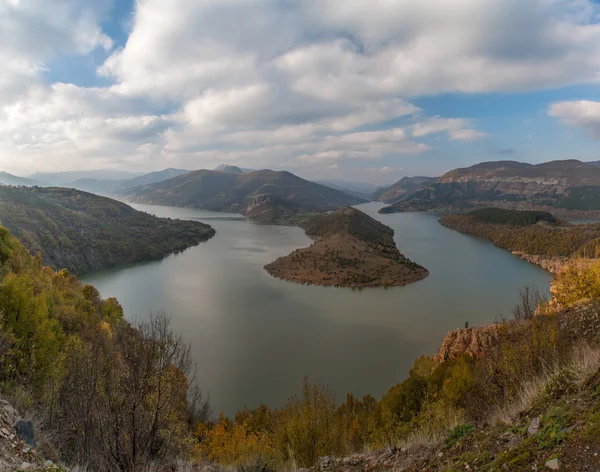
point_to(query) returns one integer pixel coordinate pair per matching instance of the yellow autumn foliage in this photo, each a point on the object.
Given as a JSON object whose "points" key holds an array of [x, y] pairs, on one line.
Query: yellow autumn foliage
{"points": [[579, 280], [233, 444]]}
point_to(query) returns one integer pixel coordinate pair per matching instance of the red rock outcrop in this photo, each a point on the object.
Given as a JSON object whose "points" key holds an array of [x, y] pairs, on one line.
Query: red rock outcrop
{"points": [[472, 341]]}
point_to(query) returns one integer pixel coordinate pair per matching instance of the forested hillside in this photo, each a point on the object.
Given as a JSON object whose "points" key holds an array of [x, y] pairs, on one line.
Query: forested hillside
{"points": [[83, 232], [107, 395], [266, 195], [528, 232]]}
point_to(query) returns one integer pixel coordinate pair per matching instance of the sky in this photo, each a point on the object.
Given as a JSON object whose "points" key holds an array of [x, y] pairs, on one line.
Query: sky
{"points": [[362, 90]]}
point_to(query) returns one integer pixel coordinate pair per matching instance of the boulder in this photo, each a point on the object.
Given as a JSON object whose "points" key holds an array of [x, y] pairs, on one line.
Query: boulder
{"points": [[534, 427], [24, 429]]}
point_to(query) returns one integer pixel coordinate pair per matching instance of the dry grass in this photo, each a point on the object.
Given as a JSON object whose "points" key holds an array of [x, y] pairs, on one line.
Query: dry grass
{"points": [[581, 366]]}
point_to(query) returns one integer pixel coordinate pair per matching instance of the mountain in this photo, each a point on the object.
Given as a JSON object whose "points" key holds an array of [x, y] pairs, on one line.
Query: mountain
{"points": [[405, 186], [62, 178], [568, 185], [10, 179], [108, 187], [95, 186], [357, 189], [236, 169], [265, 192], [151, 178], [84, 232], [351, 250]]}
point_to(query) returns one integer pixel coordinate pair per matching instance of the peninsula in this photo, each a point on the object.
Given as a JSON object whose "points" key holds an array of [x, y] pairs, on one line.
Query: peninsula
{"points": [[351, 249], [536, 236]]}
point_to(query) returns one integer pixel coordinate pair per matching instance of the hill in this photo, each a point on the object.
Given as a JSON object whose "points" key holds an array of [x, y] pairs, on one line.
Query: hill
{"points": [[10, 179], [535, 236], [405, 186], [83, 232], [236, 169], [151, 178], [62, 178], [568, 185], [109, 187], [230, 168], [281, 196], [83, 374], [351, 249]]}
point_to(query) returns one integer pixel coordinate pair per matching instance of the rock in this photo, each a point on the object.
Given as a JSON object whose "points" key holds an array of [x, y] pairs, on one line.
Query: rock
{"points": [[534, 427], [326, 463], [24, 429], [553, 464], [474, 342], [353, 460]]}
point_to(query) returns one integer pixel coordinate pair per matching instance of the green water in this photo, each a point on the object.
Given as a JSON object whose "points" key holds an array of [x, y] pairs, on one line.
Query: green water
{"points": [[255, 337]]}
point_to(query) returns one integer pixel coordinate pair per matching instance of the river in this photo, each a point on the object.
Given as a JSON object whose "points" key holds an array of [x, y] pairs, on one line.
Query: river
{"points": [[255, 337]]}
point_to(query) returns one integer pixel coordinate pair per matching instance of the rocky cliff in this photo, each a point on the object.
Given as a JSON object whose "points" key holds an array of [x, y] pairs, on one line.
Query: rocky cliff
{"points": [[567, 185], [471, 341]]}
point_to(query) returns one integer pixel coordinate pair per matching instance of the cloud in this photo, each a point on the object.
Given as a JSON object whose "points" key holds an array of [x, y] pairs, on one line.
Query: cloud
{"points": [[36, 31], [582, 113], [457, 129], [302, 84]]}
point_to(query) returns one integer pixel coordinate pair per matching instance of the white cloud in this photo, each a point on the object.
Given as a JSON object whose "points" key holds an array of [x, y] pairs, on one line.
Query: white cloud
{"points": [[583, 113], [272, 83], [35, 31], [457, 129]]}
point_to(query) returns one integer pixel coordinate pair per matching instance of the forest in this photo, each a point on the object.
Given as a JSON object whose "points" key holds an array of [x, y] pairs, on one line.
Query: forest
{"points": [[83, 232], [529, 232]]}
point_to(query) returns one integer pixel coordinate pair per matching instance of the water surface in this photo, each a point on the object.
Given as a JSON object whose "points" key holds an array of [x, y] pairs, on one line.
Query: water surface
{"points": [[255, 337]]}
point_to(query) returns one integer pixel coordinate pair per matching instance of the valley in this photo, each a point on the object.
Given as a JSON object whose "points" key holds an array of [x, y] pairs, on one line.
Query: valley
{"points": [[266, 196], [224, 302]]}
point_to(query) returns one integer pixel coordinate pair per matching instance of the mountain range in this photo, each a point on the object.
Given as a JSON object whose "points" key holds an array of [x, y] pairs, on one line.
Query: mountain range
{"points": [[265, 195], [567, 185]]}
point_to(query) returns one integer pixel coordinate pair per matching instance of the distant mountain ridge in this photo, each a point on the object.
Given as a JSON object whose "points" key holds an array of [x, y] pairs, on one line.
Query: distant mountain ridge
{"points": [[229, 168], [569, 185], [405, 186], [274, 195], [61, 178], [10, 179]]}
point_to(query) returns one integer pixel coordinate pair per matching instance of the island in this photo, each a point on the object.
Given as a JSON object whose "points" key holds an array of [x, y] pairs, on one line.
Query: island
{"points": [[351, 249]]}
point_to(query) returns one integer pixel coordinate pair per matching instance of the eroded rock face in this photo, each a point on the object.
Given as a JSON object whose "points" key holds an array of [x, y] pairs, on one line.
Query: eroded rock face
{"points": [[474, 342]]}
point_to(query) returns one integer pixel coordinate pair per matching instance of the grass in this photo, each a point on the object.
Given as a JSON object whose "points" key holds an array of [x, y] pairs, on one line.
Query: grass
{"points": [[457, 434]]}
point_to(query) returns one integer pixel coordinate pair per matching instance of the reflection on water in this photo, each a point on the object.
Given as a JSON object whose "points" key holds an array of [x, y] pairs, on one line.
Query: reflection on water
{"points": [[255, 337]]}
